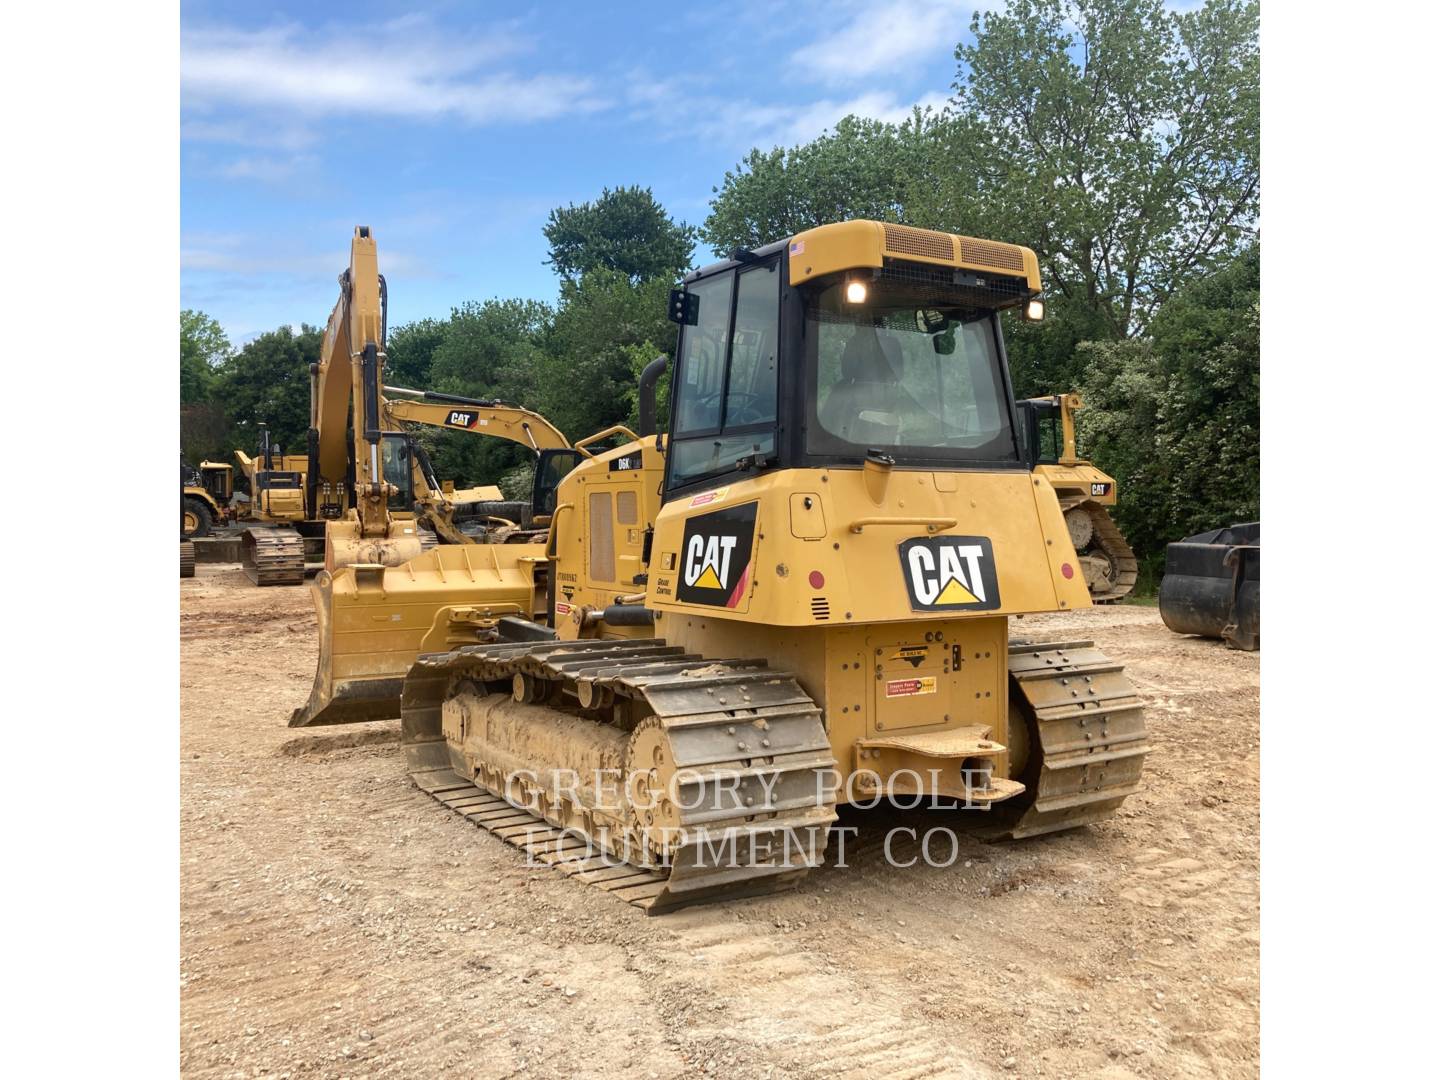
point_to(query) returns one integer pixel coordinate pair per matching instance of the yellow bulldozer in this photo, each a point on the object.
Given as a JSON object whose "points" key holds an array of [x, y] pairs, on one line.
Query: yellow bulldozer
{"points": [[1085, 492], [797, 597]]}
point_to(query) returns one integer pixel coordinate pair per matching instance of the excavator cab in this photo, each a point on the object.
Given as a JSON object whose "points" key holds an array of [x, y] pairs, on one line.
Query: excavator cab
{"points": [[398, 467], [551, 467]]}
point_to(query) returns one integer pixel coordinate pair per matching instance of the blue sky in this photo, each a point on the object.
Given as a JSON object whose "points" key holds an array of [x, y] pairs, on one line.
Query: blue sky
{"points": [[452, 129]]}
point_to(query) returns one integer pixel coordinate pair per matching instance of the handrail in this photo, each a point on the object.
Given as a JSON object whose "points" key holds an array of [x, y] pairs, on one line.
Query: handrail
{"points": [[555, 529], [616, 429], [932, 524]]}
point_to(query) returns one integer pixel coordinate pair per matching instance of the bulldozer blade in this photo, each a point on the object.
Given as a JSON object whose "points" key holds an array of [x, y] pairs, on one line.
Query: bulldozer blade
{"points": [[373, 621]]}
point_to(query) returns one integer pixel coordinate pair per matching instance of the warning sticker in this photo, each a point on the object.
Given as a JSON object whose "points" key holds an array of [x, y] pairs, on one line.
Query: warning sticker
{"points": [[910, 687], [705, 498]]}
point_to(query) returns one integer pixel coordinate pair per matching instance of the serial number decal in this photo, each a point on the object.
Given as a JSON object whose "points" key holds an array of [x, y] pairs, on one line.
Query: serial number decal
{"points": [[910, 687]]}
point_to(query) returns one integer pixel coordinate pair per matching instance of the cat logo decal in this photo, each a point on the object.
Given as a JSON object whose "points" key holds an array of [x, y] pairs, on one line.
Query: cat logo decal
{"points": [[715, 559], [950, 573]]}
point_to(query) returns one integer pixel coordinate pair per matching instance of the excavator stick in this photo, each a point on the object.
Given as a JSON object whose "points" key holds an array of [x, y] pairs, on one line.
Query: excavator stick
{"points": [[375, 620]]}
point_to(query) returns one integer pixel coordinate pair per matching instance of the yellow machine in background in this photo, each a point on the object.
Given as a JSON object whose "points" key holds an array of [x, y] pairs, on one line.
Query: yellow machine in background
{"points": [[204, 497], [1085, 492], [365, 489], [437, 502], [798, 597]]}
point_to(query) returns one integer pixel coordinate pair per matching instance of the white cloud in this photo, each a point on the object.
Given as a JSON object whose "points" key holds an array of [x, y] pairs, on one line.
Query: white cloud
{"points": [[882, 39], [289, 137], [269, 169], [743, 124], [405, 68]]}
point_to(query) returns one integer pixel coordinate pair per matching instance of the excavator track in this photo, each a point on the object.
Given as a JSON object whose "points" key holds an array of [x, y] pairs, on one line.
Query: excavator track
{"points": [[727, 784], [1084, 736], [1108, 544], [273, 556]]}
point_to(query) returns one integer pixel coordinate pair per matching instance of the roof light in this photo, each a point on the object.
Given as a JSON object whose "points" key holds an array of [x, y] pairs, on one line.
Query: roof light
{"points": [[855, 292], [1035, 310]]}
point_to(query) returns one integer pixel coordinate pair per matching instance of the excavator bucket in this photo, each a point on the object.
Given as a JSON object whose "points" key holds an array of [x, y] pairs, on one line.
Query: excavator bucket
{"points": [[1211, 586], [375, 620]]}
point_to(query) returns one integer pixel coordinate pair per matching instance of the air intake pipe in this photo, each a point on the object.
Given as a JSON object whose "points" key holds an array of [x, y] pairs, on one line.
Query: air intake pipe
{"points": [[648, 378]]}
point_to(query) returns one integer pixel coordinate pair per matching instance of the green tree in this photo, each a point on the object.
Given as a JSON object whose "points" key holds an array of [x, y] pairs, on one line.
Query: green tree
{"points": [[489, 350], [1175, 415], [863, 169], [624, 231], [604, 327], [409, 351], [268, 381], [1117, 139], [203, 349]]}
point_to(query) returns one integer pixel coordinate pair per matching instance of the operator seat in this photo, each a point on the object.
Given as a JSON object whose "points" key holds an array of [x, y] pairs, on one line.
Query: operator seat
{"points": [[860, 408]]}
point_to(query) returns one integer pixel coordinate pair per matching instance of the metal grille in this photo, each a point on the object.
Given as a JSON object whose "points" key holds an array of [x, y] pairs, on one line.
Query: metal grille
{"points": [[944, 288], [908, 241], [985, 253], [602, 537], [627, 508], [819, 608]]}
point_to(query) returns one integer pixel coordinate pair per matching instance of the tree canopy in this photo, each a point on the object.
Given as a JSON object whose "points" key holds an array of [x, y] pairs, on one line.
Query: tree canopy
{"points": [[203, 349], [624, 231]]}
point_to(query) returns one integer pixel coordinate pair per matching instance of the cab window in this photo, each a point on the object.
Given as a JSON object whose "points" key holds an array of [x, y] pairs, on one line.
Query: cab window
{"points": [[726, 397]]}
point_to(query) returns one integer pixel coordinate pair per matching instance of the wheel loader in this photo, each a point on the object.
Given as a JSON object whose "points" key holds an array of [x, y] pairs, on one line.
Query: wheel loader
{"points": [[205, 496], [797, 597], [1085, 492]]}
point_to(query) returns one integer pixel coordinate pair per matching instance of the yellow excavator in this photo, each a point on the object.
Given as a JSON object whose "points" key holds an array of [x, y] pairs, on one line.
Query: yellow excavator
{"points": [[1085, 493], [437, 502], [798, 597], [365, 492]]}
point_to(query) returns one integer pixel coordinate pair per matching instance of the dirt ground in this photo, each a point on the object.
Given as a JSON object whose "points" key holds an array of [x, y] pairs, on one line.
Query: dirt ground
{"points": [[337, 922]]}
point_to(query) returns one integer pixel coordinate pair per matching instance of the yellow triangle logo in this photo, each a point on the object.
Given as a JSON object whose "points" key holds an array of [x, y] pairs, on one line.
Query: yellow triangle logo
{"points": [[955, 593], [708, 580]]}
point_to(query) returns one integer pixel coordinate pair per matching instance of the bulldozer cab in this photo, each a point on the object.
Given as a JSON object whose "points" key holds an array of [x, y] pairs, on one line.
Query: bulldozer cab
{"points": [[898, 362], [1040, 430]]}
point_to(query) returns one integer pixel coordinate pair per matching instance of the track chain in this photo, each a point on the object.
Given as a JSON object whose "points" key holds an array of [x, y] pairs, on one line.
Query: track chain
{"points": [[273, 556], [744, 744], [1090, 726]]}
